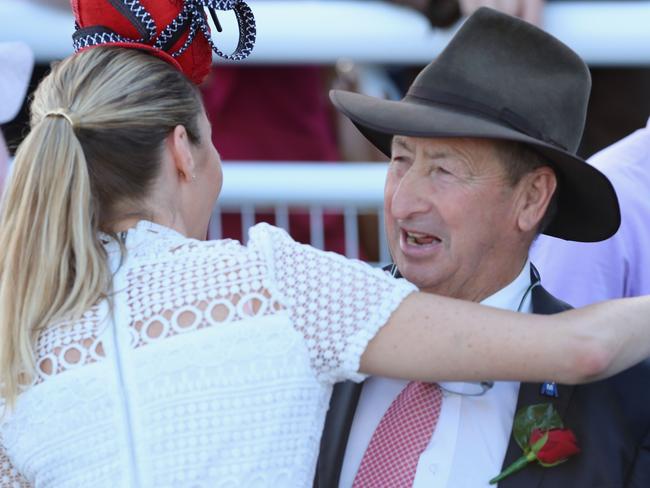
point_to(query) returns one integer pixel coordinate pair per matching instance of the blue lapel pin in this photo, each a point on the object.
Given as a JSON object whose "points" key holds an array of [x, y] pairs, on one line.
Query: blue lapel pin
{"points": [[549, 390]]}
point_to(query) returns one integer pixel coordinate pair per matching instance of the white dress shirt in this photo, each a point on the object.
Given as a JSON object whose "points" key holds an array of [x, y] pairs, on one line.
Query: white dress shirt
{"points": [[470, 441]]}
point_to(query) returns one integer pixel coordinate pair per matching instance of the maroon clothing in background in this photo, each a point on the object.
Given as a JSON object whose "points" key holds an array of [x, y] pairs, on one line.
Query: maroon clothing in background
{"points": [[278, 113]]}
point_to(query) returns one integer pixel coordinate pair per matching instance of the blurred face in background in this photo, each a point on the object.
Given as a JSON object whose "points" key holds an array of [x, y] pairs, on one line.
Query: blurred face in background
{"points": [[4, 162], [16, 62], [451, 216]]}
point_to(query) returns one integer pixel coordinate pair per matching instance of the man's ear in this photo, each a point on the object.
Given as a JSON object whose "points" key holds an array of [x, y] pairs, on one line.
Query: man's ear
{"points": [[537, 189], [179, 145]]}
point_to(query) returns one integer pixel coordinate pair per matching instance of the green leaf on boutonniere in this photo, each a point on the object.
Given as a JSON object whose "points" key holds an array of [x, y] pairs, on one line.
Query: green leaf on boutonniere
{"points": [[539, 431], [542, 416]]}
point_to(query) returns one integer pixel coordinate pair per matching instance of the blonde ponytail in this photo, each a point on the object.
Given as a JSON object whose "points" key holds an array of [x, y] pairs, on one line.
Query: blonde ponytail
{"points": [[51, 263], [70, 174]]}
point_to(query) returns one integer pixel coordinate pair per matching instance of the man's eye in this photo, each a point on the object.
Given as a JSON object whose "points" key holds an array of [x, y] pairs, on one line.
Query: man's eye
{"points": [[442, 171], [399, 159]]}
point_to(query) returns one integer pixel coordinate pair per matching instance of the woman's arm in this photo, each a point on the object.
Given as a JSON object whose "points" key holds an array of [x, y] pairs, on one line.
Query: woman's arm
{"points": [[433, 338]]}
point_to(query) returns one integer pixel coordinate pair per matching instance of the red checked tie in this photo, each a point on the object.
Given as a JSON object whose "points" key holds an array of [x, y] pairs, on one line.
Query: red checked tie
{"points": [[402, 435]]}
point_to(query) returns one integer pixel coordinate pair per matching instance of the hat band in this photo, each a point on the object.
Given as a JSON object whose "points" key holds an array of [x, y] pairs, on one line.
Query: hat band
{"points": [[463, 104], [96, 36]]}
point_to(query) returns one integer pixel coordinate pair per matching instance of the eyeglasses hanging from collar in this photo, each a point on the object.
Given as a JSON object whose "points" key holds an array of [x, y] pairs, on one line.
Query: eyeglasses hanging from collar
{"points": [[480, 388]]}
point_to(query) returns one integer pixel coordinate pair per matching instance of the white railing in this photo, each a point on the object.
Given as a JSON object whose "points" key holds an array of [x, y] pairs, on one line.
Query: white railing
{"points": [[352, 189], [366, 31]]}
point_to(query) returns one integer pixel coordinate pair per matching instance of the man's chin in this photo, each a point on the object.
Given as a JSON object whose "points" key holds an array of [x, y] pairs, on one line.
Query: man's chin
{"points": [[417, 272]]}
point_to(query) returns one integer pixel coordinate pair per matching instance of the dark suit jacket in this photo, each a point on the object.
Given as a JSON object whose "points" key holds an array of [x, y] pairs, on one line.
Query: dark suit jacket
{"points": [[611, 420]]}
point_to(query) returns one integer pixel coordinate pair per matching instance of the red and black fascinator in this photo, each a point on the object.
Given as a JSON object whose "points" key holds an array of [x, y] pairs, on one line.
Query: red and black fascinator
{"points": [[174, 30]]}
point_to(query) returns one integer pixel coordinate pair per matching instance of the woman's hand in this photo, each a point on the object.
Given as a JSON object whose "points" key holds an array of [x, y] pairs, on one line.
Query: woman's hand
{"points": [[528, 10]]}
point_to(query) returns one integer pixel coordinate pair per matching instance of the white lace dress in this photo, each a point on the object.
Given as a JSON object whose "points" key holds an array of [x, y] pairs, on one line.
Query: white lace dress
{"points": [[215, 372]]}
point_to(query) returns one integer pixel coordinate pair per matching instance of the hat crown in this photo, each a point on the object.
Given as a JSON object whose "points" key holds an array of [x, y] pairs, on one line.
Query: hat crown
{"points": [[504, 68]]}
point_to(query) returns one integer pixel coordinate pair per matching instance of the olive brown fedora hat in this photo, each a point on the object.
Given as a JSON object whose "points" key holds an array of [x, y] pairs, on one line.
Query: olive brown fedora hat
{"points": [[502, 78]]}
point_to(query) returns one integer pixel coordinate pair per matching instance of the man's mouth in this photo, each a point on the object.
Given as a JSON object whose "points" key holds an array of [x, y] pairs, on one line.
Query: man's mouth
{"points": [[420, 239]]}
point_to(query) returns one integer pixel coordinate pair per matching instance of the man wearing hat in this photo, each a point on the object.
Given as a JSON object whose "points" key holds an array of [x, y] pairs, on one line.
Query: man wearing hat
{"points": [[483, 159]]}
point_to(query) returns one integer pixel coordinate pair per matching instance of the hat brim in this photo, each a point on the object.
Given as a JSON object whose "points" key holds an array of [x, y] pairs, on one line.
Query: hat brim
{"points": [[588, 208], [16, 64]]}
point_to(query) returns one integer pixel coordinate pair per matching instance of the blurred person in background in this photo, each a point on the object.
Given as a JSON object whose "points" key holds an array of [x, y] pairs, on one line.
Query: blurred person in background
{"points": [[286, 109], [482, 161], [16, 61], [445, 12], [617, 267], [16, 128]]}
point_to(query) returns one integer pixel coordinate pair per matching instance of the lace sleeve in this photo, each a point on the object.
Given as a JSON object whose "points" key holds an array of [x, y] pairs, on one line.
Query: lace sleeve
{"points": [[9, 477], [337, 304]]}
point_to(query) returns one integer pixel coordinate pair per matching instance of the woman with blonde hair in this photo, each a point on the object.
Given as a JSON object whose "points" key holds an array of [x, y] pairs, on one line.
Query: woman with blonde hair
{"points": [[133, 353]]}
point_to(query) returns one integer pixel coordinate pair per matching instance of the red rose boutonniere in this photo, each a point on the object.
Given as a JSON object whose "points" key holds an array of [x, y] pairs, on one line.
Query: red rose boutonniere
{"points": [[539, 431]]}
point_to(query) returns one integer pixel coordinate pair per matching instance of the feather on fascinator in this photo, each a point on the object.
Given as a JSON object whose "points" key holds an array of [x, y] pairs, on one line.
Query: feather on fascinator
{"points": [[174, 30]]}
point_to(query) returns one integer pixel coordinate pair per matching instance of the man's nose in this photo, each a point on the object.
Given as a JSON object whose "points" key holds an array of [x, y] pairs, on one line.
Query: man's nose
{"points": [[411, 196]]}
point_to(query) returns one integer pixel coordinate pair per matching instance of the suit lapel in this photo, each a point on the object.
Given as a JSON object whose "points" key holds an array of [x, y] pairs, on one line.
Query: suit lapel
{"points": [[546, 304], [338, 423], [531, 476], [343, 405], [529, 394]]}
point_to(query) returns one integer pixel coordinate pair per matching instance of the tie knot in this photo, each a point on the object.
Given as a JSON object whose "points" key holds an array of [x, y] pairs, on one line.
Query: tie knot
{"points": [[419, 397]]}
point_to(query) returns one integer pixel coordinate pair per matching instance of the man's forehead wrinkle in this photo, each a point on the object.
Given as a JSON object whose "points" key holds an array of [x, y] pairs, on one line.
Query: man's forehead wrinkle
{"points": [[435, 154], [469, 152], [400, 141]]}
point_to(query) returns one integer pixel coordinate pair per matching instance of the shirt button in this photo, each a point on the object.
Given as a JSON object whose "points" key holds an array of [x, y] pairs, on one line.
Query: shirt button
{"points": [[433, 468]]}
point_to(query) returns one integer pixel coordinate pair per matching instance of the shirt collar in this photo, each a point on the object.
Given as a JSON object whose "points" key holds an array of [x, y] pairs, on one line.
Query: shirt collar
{"points": [[510, 297], [507, 298]]}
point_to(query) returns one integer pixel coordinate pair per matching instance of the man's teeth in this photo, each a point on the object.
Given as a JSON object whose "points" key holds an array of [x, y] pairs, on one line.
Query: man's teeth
{"points": [[417, 239]]}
